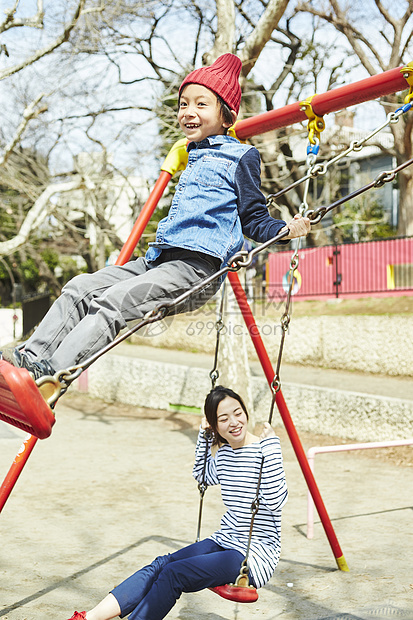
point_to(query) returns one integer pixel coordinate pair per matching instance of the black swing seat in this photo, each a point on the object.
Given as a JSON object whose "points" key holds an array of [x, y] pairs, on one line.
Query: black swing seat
{"points": [[22, 403], [238, 594]]}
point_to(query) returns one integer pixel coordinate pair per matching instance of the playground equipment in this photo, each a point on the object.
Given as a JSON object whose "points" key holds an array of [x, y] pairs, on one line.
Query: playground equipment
{"points": [[22, 410], [311, 454]]}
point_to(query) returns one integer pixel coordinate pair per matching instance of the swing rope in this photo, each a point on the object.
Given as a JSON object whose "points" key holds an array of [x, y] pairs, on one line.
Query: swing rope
{"points": [[219, 326]]}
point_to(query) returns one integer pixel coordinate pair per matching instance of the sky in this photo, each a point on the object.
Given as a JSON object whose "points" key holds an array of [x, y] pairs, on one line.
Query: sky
{"points": [[125, 129]]}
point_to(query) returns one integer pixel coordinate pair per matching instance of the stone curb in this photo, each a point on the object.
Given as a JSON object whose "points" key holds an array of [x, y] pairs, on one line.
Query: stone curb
{"points": [[321, 410]]}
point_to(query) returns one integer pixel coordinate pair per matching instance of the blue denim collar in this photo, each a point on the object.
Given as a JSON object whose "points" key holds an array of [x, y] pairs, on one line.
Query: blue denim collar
{"points": [[210, 141]]}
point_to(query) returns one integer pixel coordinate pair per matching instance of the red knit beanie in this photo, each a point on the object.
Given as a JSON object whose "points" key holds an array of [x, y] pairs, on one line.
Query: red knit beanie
{"points": [[221, 77]]}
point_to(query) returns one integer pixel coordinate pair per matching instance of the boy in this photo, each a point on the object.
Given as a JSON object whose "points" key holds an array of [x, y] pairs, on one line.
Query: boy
{"points": [[216, 201]]}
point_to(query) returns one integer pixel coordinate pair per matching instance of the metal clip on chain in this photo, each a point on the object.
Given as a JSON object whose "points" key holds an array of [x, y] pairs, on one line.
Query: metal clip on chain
{"points": [[243, 579], [316, 123], [240, 259], [408, 76], [202, 486], [52, 387], [285, 323], [356, 145]]}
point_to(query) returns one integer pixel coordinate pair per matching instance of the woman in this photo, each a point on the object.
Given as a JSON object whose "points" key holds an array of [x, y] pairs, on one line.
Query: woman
{"points": [[151, 592]]}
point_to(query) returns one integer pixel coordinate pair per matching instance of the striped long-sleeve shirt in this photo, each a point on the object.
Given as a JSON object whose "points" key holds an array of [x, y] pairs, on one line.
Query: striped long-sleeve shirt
{"points": [[237, 472]]}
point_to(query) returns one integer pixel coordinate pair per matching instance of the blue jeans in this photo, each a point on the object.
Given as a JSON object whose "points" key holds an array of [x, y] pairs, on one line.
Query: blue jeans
{"points": [[152, 591], [93, 308]]}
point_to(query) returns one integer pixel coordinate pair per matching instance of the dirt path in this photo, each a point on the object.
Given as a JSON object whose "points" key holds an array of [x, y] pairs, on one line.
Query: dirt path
{"points": [[112, 488]]}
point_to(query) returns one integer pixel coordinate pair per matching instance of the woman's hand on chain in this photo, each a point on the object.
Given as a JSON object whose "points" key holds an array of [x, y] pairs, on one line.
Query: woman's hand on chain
{"points": [[267, 431]]}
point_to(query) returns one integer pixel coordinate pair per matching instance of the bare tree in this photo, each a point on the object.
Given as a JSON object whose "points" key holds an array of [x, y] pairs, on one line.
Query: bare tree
{"points": [[47, 101], [37, 21], [380, 37], [106, 35], [115, 75]]}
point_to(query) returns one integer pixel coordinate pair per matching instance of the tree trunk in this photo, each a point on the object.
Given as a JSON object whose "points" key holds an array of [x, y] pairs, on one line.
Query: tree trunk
{"points": [[225, 37], [234, 369]]}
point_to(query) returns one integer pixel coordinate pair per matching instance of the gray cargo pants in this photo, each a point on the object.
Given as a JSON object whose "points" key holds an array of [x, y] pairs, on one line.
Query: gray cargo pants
{"points": [[93, 308]]}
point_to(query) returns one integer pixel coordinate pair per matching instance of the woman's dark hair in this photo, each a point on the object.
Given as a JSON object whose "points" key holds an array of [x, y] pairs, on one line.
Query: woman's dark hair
{"points": [[216, 395]]}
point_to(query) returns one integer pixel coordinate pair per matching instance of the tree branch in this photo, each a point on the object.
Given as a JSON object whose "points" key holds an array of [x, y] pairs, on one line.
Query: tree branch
{"points": [[29, 113], [225, 36], [37, 214], [30, 22], [261, 34], [49, 48], [339, 20]]}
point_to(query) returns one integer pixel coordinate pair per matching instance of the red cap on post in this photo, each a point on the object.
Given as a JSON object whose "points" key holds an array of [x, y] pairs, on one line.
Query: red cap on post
{"points": [[221, 77]]}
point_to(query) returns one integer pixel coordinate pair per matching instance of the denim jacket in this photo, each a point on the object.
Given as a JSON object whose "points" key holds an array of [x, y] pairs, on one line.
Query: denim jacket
{"points": [[217, 200]]}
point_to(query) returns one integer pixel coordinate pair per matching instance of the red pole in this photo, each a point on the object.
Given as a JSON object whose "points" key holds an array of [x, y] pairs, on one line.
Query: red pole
{"points": [[286, 417], [125, 254], [16, 468], [144, 217], [333, 100]]}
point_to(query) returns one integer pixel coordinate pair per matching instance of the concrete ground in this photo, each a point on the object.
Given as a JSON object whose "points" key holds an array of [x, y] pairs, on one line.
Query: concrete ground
{"points": [[112, 488]]}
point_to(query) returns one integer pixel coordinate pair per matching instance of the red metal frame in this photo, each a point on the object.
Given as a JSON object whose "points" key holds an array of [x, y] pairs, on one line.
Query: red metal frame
{"points": [[379, 85], [331, 101], [144, 217], [16, 469], [286, 418]]}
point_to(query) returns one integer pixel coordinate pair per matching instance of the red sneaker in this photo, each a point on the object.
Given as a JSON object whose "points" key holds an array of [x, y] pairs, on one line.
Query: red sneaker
{"points": [[78, 615]]}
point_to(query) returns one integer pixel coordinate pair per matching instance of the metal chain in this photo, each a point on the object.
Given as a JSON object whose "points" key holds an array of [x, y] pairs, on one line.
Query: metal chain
{"points": [[240, 260], [285, 321], [386, 176], [312, 152], [214, 374], [202, 486], [355, 146], [219, 326]]}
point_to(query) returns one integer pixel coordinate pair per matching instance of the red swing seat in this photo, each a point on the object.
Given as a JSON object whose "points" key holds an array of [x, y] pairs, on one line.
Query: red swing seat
{"points": [[21, 402], [238, 594]]}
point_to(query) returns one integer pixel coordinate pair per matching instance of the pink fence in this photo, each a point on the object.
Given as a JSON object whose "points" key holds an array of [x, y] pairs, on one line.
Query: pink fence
{"points": [[383, 267]]}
